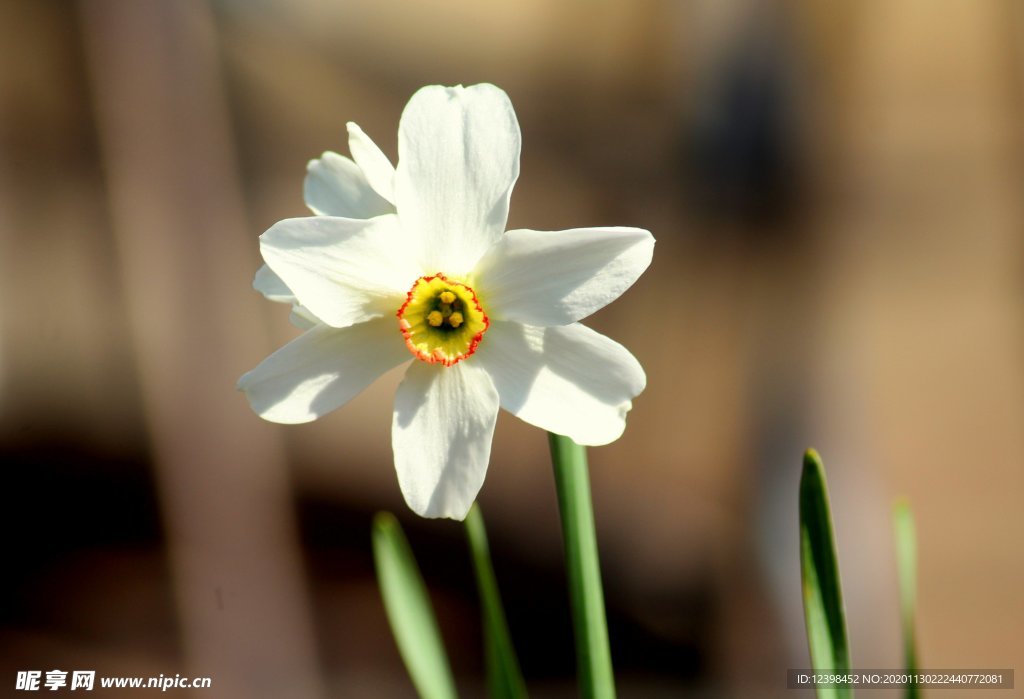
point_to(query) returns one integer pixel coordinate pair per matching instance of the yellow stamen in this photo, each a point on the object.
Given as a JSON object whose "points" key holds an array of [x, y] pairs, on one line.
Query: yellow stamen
{"points": [[446, 297], [455, 319], [435, 319]]}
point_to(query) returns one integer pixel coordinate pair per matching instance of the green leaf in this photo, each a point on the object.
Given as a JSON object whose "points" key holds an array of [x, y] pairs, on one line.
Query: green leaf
{"points": [[906, 566], [408, 608], [822, 592], [593, 656], [504, 680]]}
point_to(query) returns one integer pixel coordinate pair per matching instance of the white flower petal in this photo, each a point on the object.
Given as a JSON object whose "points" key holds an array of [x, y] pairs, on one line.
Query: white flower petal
{"points": [[322, 369], [441, 433], [274, 289], [336, 186], [272, 286], [302, 318], [379, 171], [559, 277], [458, 158], [343, 270], [569, 380]]}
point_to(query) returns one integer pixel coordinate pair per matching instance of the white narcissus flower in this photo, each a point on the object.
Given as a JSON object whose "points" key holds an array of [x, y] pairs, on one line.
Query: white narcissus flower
{"points": [[413, 263]]}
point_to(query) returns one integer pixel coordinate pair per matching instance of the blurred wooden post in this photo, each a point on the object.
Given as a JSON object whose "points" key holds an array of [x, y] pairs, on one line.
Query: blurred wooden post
{"points": [[187, 259]]}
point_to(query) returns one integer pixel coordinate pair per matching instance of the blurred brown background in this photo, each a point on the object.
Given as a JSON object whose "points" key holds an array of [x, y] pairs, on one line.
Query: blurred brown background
{"points": [[836, 193]]}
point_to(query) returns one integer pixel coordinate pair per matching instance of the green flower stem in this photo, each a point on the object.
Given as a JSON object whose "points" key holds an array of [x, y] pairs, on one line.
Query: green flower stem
{"points": [[409, 611], [504, 678], [593, 657], [906, 563]]}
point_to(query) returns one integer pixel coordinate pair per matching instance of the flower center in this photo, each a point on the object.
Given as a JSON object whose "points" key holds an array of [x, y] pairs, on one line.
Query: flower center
{"points": [[442, 320]]}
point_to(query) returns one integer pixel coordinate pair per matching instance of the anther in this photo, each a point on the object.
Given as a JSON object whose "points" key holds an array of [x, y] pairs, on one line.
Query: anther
{"points": [[435, 319], [455, 319], [447, 297]]}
